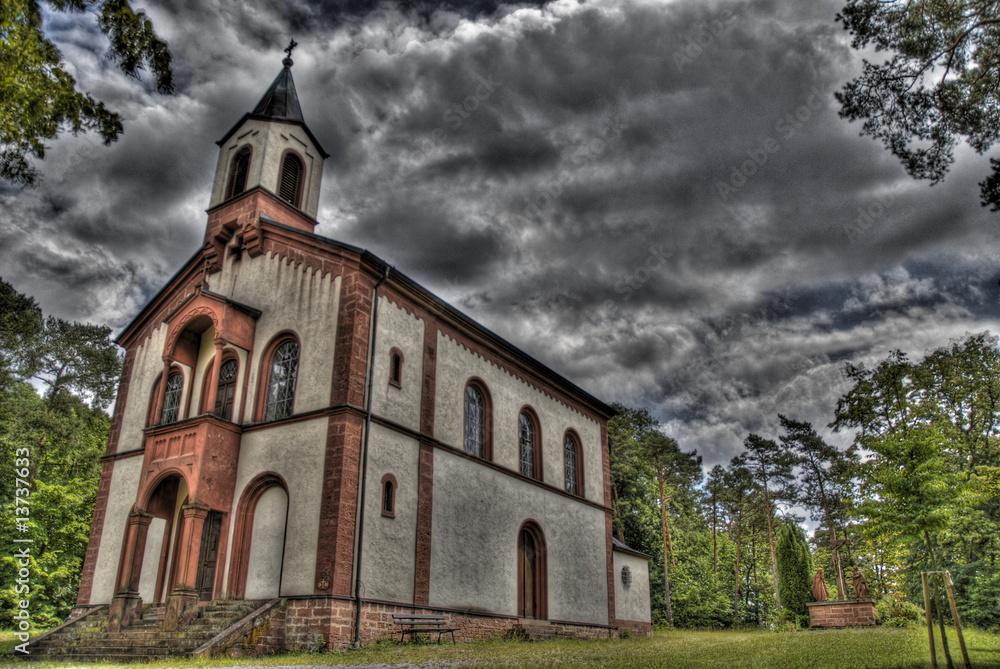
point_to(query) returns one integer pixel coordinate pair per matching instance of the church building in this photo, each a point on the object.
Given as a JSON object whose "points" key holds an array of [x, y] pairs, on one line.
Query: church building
{"points": [[300, 423]]}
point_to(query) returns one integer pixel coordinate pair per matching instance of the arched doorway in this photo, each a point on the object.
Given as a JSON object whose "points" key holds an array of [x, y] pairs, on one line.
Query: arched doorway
{"points": [[163, 505], [532, 581], [259, 539]]}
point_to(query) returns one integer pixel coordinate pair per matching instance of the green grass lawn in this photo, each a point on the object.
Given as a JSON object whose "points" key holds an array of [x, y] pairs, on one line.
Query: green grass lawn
{"points": [[841, 649]]}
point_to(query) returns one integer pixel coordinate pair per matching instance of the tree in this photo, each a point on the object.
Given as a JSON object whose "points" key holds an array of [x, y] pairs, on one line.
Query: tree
{"points": [[794, 571], [738, 484], [78, 358], [929, 483], [770, 466], [939, 85], [38, 98], [715, 487], [20, 328], [822, 470], [673, 468]]}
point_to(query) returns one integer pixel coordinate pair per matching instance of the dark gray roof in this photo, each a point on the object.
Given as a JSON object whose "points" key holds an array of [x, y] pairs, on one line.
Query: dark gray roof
{"points": [[281, 101], [623, 547]]}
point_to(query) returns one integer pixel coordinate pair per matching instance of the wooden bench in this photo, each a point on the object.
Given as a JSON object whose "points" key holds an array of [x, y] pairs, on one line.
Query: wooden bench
{"points": [[413, 624]]}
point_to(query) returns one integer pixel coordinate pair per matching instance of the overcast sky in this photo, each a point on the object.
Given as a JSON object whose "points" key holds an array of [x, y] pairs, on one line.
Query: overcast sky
{"points": [[656, 199]]}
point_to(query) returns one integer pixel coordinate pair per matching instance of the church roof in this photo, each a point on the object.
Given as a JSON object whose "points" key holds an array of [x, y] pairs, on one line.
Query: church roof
{"points": [[280, 103], [621, 546]]}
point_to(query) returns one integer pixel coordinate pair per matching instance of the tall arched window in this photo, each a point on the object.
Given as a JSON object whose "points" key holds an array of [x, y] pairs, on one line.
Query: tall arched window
{"points": [[226, 390], [527, 440], [281, 381], [571, 464], [477, 421], [238, 172], [291, 179], [172, 399]]}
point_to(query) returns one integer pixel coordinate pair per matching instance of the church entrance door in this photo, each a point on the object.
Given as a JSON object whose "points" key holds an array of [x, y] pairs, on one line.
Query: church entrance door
{"points": [[527, 558], [208, 555]]}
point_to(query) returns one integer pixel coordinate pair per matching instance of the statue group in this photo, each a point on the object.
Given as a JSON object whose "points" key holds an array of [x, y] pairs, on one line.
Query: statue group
{"points": [[858, 579]]}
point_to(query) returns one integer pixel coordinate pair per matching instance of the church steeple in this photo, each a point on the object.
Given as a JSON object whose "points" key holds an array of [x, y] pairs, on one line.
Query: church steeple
{"points": [[272, 148]]}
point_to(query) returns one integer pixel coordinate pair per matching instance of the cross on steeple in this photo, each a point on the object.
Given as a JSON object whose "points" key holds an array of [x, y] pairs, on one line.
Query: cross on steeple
{"points": [[291, 45]]}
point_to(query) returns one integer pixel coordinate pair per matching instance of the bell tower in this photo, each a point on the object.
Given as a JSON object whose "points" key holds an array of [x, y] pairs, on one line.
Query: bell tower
{"points": [[271, 148]]}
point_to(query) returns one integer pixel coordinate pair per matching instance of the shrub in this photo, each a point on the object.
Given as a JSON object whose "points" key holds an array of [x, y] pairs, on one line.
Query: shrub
{"points": [[894, 611]]}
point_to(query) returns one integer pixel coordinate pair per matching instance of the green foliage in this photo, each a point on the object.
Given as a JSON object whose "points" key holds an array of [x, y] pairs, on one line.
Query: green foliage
{"points": [[894, 611], [931, 434], [38, 98], [20, 328], [939, 84], [794, 572], [62, 440]]}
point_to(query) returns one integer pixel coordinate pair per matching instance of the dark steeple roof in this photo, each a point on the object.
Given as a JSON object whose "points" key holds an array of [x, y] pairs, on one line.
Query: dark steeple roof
{"points": [[280, 101]]}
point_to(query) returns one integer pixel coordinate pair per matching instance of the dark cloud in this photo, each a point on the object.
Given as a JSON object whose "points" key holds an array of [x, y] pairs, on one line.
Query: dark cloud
{"points": [[658, 200]]}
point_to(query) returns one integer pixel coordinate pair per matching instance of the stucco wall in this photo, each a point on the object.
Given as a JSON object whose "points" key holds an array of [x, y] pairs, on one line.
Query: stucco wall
{"points": [[291, 297], [477, 514], [456, 364], [124, 484], [632, 603], [397, 328], [296, 452], [151, 558], [390, 543], [269, 141], [267, 545], [147, 367]]}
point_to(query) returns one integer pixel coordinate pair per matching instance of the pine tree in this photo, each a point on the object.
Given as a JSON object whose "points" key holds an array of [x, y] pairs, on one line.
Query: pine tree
{"points": [[794, 571]]}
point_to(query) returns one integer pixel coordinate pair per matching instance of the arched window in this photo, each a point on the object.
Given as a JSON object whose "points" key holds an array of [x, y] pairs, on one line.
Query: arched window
{"points": [[172, 399], [389, 496], [478, 425], [291, 179], [238, 172], [527, 437], [571, 465], [226, 390], [281, 381], [396, 367]]}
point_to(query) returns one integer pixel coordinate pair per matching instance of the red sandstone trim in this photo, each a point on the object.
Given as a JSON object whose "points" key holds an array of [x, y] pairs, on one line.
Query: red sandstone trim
{"points": [[338, 504], [429, 383], [611, 564], [425, 504]]}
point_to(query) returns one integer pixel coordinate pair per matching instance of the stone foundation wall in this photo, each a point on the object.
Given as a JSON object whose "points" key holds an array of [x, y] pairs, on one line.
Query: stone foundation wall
{"points": [[328, 623], [847, 613], [636, 627]]}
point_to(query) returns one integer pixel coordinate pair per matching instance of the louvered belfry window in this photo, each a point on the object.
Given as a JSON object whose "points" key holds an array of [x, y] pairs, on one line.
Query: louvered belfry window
{"points": [[238, 173], [291, 175]]}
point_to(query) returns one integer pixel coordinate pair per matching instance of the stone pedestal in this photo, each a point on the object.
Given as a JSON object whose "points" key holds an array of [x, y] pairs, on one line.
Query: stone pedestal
{"points": [[845, 613]]}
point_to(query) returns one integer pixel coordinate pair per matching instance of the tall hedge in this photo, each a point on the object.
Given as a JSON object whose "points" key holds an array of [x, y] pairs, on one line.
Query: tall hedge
{"points": [[794, 571]]}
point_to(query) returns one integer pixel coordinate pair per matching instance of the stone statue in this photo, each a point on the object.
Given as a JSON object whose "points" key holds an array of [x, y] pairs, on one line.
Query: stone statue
{"points": [[860, 585], [819, 587]]}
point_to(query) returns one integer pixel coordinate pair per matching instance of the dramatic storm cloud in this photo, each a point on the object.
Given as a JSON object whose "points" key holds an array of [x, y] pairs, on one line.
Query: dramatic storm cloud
{"points": [[656, 199]]}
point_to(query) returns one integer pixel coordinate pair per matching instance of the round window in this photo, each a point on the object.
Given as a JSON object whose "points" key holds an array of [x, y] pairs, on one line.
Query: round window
{"points": [[626, 576]]}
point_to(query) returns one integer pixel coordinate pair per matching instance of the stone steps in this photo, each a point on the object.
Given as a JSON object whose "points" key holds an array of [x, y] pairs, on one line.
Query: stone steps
{"points": [[144, 639]]}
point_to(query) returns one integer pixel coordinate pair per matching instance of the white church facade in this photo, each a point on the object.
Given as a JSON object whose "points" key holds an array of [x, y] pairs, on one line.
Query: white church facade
{"points": [[299, 422]]}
